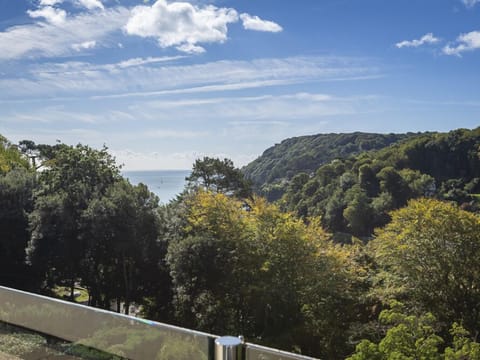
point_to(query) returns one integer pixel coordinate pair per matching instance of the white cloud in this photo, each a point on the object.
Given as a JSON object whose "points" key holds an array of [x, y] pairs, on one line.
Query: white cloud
{"points": [[55, 116], [191, 49], [470, 3], [465, 42], [88, 4], [144, 61], [242, 85], [52, 15], [124, 79], [181, 24], [256, 112], [91, 4], [48, 40], [255, 23], [84, 45], [175, 134], [425, 39], [50, 2], [258, 123]]}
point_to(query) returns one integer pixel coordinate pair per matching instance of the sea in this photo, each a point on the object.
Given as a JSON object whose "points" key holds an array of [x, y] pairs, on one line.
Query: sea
{"points": [[166, 184]]}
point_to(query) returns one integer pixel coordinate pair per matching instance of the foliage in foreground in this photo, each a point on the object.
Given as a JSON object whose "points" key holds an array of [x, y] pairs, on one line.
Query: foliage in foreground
{"points": [[246, 267], [429, 255], [410, 337]]}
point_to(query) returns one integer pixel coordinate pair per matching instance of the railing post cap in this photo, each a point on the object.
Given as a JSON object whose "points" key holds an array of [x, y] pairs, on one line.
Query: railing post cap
{"points": [[228, 341]]}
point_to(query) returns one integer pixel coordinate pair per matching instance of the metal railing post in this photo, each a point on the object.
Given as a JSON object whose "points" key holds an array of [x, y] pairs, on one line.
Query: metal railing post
{"points": [[229, 348]]}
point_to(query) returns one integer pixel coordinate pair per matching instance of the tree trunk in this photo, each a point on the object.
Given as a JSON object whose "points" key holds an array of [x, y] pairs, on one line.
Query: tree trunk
{"points": [[72, 289], [127, 282]]}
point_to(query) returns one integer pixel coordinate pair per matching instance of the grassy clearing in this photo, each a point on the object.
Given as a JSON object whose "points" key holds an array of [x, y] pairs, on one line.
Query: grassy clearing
{"points": [[64, 292]]}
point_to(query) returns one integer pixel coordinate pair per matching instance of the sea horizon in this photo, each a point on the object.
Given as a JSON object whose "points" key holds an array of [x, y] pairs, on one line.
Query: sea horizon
{"points": [[165, 183]]}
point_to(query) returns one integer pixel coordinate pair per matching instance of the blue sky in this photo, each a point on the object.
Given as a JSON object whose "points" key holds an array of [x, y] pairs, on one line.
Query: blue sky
{"points": [[164, 82]]}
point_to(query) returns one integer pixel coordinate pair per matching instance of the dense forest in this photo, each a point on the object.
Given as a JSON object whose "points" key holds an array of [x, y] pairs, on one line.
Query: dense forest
{"points": [[354, 194], [271, 172], [367, 255]]}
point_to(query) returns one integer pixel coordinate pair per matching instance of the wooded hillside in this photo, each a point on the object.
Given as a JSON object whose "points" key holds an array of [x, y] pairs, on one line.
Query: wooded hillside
{"points": [[354, 194], [277, 165]]}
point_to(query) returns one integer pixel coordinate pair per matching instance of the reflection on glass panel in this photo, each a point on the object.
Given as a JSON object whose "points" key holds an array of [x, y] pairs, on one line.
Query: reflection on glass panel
{"points": [[92, 329], [19, 343], [255, 352]]}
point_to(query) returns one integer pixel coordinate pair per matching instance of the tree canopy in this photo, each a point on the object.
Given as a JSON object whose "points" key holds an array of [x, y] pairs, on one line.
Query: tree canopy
{"points": [[430, 250], [218, 175], [278, 164], [354, 195]]}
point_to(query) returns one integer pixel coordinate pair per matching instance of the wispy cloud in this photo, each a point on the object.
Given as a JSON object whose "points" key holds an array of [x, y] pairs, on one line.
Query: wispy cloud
{"points": [[84, 45], [59, 115], [195, 102], [258, 123], [258, 110], [80, 79], [255, 23], [465, 42], [88, 4], [78, 67], [91, 4], [50, 2], [241, 85], [425, 39], [49, 40], [470, 3], [143, 61], [175, 134], [71, 136]]}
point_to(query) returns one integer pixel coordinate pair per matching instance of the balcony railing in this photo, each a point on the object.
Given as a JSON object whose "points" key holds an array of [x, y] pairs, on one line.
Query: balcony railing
{"points": [[38, 327]]}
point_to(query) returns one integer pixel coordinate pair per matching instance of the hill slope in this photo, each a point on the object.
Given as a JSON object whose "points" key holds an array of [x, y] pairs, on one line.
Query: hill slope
{"points": [[282, 161], [355, 195]]}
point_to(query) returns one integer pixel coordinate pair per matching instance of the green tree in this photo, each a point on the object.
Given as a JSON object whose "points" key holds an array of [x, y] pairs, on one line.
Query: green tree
{"points": [[382, 205], [463, 347], [220, 176], [368, 180], [266, 274], [10, 156], [393, 183], [359, 214], [410, 337], [333, 219], [421, 185], [74, 177], [209, 263], [122, 250], [429, 253], [16, 201]]}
